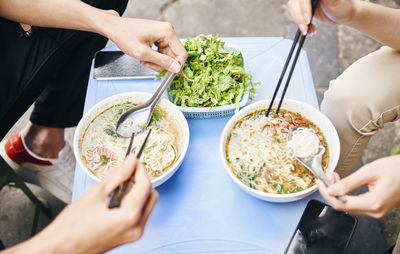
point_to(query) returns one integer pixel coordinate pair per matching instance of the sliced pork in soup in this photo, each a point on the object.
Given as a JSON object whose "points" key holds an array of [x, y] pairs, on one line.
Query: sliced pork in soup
{"points": [[103, 150]]}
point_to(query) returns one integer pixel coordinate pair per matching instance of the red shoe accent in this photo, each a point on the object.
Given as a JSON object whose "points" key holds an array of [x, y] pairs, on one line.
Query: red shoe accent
{"points": [[15, 149]]}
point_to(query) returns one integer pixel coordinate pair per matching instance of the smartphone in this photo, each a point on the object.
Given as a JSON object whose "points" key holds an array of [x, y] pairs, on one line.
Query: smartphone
{"points": [[113, 65], [322, 229]]}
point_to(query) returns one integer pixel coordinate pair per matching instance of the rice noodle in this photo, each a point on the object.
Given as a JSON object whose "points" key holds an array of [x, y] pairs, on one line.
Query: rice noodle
{"points": [[258, 153], [103, 150]]}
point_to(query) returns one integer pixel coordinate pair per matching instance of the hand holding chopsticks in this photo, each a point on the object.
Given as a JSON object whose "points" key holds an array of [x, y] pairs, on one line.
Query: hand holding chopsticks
{"points": [[296, 39], [118, 193]]}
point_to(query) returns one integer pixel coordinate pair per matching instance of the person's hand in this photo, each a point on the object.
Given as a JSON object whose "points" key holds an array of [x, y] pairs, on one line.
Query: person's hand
{"points": [[89, 226], [328, 11], [382, 178], [136, 37]]}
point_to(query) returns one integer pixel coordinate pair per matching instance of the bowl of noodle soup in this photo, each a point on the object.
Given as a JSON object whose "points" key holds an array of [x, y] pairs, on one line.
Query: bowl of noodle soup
{"points": [[257, 156], [99, 150]]}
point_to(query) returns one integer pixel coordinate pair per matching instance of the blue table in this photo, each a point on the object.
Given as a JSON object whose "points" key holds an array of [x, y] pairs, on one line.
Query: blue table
{"points": [[200, 209]]}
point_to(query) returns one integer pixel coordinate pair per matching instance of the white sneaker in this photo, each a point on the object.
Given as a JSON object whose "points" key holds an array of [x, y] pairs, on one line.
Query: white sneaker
{"points": [[54, 175]]}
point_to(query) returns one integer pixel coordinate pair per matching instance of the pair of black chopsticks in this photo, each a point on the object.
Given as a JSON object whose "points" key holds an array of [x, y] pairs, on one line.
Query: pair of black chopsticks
{"points": [[314, 4], [118, 193]]}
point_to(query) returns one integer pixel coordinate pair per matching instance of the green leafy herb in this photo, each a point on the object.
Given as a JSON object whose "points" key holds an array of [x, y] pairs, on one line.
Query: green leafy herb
{"points": [[212, 76], [131, 103], [104, 159], [156, 117], [142, 125], [110, 132]]}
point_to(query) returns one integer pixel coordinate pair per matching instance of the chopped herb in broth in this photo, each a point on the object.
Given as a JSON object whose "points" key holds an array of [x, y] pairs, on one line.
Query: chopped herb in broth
{"points": [[259, 156], [103, 150]]}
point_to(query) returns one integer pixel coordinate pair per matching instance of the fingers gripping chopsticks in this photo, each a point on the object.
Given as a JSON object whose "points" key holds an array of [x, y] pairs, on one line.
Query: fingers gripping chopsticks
{"points": [[118, 193], [302, 38]]}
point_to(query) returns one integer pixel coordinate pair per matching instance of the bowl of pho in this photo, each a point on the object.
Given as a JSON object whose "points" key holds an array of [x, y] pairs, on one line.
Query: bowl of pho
{"points": [[99, 150], [256, 153]]}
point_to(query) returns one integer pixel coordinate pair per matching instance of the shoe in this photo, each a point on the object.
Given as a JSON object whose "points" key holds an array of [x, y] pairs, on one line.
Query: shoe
{"points": [[54, 175]]}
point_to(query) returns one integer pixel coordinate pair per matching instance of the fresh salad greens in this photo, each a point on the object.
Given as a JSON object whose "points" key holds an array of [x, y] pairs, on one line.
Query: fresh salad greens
{"points": [[212, 76]]}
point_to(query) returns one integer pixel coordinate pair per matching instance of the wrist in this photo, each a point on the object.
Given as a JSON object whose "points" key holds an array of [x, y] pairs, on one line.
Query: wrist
{"points": [[35, 245], [104, 23]]}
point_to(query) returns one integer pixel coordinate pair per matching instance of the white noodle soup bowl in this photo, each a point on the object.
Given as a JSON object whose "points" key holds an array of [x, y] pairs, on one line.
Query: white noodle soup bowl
{"points": [[135, 97], [308, 112]]}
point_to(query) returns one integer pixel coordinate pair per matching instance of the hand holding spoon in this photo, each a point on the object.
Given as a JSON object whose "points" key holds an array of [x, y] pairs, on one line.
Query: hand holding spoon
{"points": [[311, 159]]}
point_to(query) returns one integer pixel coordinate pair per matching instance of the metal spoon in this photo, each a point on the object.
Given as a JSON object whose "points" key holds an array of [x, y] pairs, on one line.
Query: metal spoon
{"points": [[137, 118], [314, 163]]}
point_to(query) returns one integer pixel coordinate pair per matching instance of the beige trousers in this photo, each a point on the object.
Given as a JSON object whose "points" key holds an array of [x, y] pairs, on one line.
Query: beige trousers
{"points": [[360, 101]]}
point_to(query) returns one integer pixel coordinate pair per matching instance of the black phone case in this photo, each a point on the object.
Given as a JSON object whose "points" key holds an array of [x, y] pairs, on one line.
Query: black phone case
{"points": [[115, 65], [322, 229]]}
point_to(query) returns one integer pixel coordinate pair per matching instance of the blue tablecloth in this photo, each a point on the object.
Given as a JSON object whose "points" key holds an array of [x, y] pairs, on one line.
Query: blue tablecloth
{"points": [[200, 209]]}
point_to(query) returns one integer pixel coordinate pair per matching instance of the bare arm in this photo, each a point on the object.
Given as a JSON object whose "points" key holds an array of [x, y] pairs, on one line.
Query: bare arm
{"points": [[379, 22], [61, 14], [133, 36], [89, 226]]}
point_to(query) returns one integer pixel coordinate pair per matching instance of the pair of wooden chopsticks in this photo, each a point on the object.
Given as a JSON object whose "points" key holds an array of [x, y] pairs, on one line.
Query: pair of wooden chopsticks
{"points": [[314, 4], [118, 193]]}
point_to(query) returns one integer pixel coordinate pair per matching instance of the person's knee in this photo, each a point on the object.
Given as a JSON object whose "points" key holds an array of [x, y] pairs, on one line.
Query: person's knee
{"points": [[361, 100], [349, 110], [367, 92], [335, 98], [338, 103]]}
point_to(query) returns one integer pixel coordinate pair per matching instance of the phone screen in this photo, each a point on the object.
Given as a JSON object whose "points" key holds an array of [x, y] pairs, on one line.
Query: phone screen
{"points": [[117, 65], [322, 230]]}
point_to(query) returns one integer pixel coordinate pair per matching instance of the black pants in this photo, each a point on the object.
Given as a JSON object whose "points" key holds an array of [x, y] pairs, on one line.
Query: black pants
{"points": [[51, 67]]}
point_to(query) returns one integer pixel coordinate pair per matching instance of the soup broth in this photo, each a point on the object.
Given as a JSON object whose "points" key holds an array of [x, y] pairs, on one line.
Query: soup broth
{"points": [[258, 153], [103, 150]]}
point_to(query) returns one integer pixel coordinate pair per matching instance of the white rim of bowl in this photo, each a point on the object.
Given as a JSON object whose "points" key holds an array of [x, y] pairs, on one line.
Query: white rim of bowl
{"points": [[181, 119], [249, 108]]}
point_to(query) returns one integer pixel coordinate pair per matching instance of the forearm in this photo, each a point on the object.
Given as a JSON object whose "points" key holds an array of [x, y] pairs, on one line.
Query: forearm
{"points": [[55, 239], [61, 14], [35, 245], [379, 22]]}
